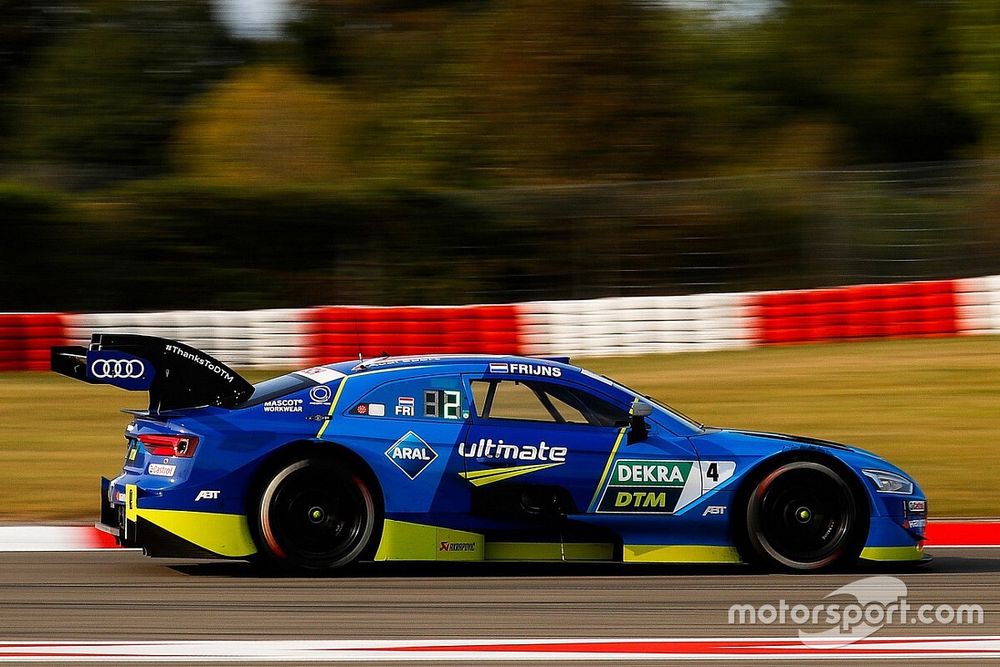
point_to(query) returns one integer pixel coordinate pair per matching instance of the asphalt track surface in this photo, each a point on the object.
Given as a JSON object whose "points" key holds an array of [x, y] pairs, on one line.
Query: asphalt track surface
{"points": [[117, 595]]}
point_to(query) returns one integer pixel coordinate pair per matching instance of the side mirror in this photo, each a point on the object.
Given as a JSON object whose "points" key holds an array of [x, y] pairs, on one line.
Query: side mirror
{"points": [[638, 431], [641, 408]]}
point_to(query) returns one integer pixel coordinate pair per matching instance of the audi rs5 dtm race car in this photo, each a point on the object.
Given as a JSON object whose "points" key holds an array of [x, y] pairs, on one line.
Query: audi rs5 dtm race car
{"points": [[470, 458]]}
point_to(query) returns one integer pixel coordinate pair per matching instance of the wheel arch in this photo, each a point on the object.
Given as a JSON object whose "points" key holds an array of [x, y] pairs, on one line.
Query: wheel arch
{"points": [[741, 496], [312, 448]]}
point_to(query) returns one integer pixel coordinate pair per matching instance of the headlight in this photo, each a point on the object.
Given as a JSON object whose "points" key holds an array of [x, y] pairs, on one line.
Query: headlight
{"points": [[889, 482]]}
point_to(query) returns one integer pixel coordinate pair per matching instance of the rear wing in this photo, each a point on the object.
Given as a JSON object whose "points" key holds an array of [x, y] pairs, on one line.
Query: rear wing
{"points": [[175, 375]]}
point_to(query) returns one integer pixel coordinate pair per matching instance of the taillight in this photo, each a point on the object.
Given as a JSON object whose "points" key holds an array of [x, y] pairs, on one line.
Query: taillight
{"points": [[169, 445]]}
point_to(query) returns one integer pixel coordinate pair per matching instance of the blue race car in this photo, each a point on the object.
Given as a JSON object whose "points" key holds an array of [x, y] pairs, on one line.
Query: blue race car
{"points": [[470, 458]]}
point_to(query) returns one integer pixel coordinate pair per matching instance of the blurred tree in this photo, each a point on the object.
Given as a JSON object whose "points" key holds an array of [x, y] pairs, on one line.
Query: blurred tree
{"points": [[40, 255], [471, 94], [885, 70], [269, 124], [976, 81], [321, 30], [576, 89], [316, 31], [109, 92], [26, 26]]}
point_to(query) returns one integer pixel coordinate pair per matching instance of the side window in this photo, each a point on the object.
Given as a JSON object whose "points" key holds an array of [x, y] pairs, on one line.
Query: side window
{"points": [[569, 413], [543, 402], [515, 400]]}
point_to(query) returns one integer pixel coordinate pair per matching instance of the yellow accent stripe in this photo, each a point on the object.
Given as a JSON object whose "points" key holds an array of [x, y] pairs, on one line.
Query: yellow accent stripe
{"points": [[483, 477], [892, 553], [402, 540], [607, 466], [224, 534], [333, 405], [679, 553], [522, 551], [131, 501]]}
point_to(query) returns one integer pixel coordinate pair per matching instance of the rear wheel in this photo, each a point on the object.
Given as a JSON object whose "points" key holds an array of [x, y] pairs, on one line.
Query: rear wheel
{"points": [[804, 516], [313, 514]]}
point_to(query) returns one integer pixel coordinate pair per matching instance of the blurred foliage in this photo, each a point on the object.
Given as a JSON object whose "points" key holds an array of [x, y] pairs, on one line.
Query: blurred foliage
{"points": [[462, 150], [39, 248], [269, 125], [881, 69], [109, 92], [195, 243]]}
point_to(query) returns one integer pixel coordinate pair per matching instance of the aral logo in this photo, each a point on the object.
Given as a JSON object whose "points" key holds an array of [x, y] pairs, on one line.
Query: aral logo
{"points": [[411, 454]]}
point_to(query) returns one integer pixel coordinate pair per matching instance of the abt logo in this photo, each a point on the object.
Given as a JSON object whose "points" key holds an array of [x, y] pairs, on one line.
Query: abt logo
{"points": [[207, 495], [716, 510]]}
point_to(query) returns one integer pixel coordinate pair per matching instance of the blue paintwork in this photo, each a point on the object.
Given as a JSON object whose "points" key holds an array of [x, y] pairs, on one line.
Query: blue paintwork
{"points": [[235, 443]]}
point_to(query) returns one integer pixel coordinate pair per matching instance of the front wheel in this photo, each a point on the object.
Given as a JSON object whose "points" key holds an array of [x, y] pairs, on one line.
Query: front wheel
{"points": [[804, 515], [315, 515]]}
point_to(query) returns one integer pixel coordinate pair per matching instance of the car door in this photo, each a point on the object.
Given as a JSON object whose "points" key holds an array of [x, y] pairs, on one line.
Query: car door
{"points": [[545, 445], [412, 426]]}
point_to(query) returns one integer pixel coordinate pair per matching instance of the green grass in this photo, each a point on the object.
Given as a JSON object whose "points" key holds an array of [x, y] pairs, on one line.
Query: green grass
{"points": [[930, 406]]}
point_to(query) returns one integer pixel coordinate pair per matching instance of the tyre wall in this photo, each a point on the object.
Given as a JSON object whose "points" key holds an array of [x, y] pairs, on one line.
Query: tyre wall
{"points": [[615, 326]]}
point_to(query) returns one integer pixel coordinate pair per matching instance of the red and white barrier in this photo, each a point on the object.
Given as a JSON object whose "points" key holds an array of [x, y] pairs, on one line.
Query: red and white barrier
{"points": [[25, 339], [244, 338], [635, 325], [54, 538], [337, 333], [295, 337], [901, 310], [978, 305]]}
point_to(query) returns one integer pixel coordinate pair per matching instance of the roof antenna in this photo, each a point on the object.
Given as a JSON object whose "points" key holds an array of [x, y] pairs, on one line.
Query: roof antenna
{"points": [[357, 337]]}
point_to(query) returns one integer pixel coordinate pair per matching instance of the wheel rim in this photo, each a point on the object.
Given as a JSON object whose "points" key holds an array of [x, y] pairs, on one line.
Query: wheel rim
{"points": [[316, 519], [804, 514]]}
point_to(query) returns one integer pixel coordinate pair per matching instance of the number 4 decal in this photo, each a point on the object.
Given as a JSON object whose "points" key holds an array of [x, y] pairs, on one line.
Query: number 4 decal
{"points": [[714, 473]]}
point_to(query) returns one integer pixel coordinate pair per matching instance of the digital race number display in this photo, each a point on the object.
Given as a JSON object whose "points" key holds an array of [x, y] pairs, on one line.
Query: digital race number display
{"points": [[443, 403]]}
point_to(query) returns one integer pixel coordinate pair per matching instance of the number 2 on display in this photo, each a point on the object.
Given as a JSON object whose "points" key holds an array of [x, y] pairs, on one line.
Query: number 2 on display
{"points": [[442, 403]]}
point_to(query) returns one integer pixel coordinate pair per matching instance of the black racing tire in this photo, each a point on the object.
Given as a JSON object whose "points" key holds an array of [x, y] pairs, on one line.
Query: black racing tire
{"points": [[805, 516], [313, 515]]}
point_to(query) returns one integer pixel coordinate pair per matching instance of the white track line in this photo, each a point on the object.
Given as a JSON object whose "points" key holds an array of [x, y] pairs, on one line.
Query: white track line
{"points": [[480, 650]]}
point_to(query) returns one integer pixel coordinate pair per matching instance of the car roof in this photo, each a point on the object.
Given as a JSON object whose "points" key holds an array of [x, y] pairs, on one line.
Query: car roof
{"points": [[455, 362]]}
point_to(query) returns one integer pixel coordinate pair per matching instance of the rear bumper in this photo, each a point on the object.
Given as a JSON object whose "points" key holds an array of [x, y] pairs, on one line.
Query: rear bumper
{"points": [[110, 522], [114, 531], [172, 533]]}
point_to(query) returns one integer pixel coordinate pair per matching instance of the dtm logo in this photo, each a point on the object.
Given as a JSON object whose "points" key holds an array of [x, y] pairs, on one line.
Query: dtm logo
{"points": [[411, 454], [119, 369]]}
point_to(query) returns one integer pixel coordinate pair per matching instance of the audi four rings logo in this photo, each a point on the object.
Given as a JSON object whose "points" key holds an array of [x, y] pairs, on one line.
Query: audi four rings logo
{"points": [[105, 369]]}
